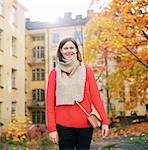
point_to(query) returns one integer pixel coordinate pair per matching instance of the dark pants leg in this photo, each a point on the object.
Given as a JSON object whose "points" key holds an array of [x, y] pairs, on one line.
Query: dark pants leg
{"points": [[67, 138], [71, 138], [84, 137]]}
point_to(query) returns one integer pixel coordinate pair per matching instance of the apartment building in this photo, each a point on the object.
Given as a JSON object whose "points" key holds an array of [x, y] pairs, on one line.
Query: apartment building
{"points": [[42, 39], [12, 62]]}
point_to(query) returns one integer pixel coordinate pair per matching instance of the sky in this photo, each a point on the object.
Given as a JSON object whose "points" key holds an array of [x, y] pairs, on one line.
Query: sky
{"points": [[50, 10]]}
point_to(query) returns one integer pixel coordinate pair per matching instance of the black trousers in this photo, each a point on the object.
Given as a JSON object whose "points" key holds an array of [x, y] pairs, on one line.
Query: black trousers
{"points": [[74, 138]]}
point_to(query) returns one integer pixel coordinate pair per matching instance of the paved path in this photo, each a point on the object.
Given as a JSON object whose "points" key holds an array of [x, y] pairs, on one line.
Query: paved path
{"points": [[116, 144]]}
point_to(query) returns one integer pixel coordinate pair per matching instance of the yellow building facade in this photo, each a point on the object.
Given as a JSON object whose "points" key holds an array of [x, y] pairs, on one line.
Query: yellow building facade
{"points": [[42, 41], [12, 62]]}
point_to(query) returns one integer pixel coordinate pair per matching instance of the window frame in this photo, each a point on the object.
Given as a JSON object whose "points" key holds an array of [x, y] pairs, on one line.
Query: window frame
{"points": [[1, 39], [1, 6], [38, 74], [13, 78], [38, 37], [42, 74], [38, 117], [13, 15], [1, 103], [1, 75], [14, 46], [38, 52], [38, 95], [55, 38], [13, 111]]}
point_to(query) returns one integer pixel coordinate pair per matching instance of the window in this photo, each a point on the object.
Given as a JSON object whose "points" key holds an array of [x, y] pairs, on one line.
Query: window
{"points": [[78, 36], [38, 74], [33, 75], [1, 69], [42, 38], [38, 94], [1, 38], [55, 38], [38, 52], [13, 46], [0, 111], [42, 52], [33, 52], [25, 85], [33, 38], [43, 117], [25, 108], [13, 15], [42, 74], [13, 78], [13, 110], [1, 6], [42, 95], [34, 94], [38, 117], [33, 117], [38, 38]]}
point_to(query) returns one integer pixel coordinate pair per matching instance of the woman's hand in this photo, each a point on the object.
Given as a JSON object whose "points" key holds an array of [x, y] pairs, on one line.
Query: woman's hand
{"points": [[105, 130], [53, 136]]}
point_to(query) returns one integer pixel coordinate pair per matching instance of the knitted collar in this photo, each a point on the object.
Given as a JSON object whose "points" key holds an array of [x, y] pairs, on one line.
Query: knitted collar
{"points": [[70, 88]]}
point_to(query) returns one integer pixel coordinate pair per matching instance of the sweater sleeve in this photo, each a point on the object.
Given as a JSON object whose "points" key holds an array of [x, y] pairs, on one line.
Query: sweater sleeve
{"points": [[50, 101], [95, 97]]}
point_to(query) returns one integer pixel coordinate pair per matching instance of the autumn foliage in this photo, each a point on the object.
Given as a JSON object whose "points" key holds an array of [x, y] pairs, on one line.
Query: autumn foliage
{"points": [[134, 130], [17, 130], [119, 36]]}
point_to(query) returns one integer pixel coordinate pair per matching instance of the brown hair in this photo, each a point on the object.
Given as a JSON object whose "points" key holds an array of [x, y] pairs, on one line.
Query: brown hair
{"points": [[59, 54]]}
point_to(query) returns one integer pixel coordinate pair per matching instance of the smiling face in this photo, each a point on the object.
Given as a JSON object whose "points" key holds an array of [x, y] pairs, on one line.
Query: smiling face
{"points": [[69, 50]]}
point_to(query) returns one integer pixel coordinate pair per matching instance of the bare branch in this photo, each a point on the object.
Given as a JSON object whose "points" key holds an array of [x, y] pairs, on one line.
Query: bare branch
{"points": [[145, 35], [136, 57]]}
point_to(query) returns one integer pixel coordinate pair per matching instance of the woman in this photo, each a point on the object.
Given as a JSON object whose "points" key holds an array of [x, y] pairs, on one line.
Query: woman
{"points": [[72, 81]]}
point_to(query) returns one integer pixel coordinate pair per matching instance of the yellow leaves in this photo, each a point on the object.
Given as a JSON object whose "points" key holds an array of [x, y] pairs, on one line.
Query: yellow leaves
{"points": [[90, 51], [129, 105], [17, 130], [15, 139]]}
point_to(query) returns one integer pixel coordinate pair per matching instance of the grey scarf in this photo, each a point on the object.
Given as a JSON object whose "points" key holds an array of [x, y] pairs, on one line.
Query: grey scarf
{"points": [[70, 87]]}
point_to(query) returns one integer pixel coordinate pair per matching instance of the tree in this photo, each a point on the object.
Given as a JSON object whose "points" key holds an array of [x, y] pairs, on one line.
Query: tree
{"points": [[119, 35]]}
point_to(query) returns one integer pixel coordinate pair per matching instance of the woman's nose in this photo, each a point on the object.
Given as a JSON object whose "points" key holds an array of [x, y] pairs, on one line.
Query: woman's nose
{"points": [[68, 50]]}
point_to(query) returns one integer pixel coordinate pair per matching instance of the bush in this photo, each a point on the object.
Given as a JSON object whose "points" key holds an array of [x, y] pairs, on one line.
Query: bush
{"points": [[44, 141], [21, 134], [37, 131], [16, 131]]}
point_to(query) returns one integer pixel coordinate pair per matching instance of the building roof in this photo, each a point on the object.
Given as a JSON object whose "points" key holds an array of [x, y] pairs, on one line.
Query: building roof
{"points": [[67, 20]]}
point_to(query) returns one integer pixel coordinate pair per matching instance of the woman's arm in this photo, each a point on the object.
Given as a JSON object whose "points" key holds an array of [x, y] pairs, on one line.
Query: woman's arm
{"points": [[95, 96], [50, 101]]}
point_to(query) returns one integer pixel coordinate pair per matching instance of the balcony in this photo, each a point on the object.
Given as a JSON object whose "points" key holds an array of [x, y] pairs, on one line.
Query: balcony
{"points": [[32, 61], [34, 104]]}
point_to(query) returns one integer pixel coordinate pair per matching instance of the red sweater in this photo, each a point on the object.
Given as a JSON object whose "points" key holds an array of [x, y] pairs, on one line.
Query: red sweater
{"points": [[72, 115]]}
